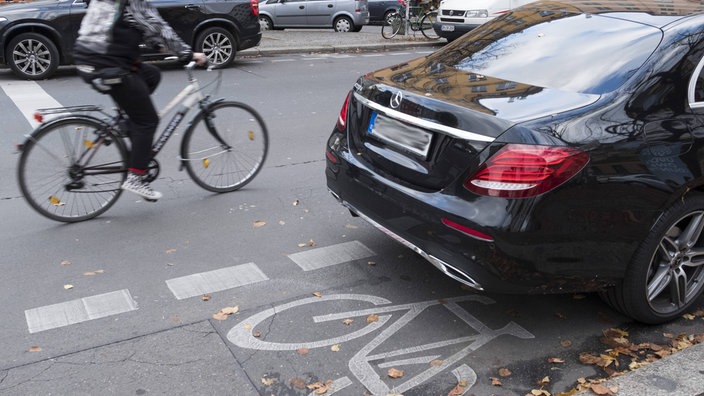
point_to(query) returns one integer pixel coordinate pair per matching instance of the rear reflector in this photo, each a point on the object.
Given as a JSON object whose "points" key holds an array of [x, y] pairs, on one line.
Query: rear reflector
{"points": [[466, 230], [342, 119], [520, 170]]}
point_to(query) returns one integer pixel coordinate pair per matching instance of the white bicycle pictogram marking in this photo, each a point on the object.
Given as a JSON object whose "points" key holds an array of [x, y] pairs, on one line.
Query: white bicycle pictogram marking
{"points": [[362, 363]]}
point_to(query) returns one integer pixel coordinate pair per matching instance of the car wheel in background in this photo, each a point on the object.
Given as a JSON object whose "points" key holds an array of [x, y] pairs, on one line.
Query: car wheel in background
{"points": [[666, 274], [266, 23], [218, 45], [343, 24], [32, 56]]}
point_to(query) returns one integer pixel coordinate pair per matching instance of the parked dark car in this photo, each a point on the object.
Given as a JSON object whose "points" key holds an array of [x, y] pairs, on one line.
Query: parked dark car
{"points": [[38, 36], [379, 10], [557, 148]]}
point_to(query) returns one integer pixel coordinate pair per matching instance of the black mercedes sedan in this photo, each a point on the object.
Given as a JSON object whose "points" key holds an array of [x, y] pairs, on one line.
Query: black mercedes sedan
{"points": [[557, 148], [38, 36]]}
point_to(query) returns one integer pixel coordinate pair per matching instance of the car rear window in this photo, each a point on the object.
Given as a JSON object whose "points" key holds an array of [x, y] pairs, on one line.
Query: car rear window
{"points": [[579, 53]]}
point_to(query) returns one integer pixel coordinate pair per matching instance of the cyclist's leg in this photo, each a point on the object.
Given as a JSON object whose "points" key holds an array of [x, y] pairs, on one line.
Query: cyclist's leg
{"points": [[132, 96], [232, 153], [150, 74]]}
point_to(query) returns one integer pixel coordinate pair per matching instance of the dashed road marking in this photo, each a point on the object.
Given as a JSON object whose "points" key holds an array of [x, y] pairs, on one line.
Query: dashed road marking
{"points": [[79, 310], [216, 280], [331, 255], [28, 96]]}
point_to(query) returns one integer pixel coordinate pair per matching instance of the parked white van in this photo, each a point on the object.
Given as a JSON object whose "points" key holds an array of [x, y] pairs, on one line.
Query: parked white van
{"points": [[457, 17]]}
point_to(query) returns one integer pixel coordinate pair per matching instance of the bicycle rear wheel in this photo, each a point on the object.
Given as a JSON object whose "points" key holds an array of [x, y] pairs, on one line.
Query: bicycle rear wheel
{"points": [[392, 25], [426, 25], [71, 169], [230, 157]]}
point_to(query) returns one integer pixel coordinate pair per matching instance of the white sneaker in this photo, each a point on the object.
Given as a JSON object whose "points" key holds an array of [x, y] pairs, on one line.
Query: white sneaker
{"points": [[135, 184]]}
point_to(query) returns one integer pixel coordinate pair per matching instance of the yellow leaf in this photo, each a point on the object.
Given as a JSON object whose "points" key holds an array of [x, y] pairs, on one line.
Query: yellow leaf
{"points": [[268, 381], [247, 327], [504, 372], [250, 135], [348, 321], [55, 201], [335, 348], [372, 318], [206, 163], [394, 373], [88, 143]]}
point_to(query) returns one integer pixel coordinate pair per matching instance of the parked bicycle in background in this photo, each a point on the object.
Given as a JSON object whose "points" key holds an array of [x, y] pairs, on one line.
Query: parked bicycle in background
{"points": [[418, 16]]}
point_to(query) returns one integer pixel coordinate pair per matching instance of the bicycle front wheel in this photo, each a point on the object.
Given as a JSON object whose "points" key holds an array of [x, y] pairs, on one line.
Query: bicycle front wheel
{"points": [[392, 25], [225, 146], [427, 23], [72, 169]]}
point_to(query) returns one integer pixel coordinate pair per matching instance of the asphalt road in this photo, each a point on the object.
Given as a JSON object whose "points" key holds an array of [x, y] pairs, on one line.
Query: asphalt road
{"points": [[324, 301]]}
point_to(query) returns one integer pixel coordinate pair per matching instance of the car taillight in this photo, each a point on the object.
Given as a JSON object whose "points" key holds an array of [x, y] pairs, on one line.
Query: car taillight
{"points": [[342, 119], [520, 170], [254, 4]]}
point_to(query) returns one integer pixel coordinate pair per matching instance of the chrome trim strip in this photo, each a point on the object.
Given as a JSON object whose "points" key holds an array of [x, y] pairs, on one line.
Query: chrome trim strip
{"points": [[436, 262], [454, 132]]}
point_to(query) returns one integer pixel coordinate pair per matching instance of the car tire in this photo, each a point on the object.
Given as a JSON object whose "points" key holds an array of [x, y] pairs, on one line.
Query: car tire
{"points": [[343, 24], [266, 23], [219, 45], [32, 56], [666, 274]]}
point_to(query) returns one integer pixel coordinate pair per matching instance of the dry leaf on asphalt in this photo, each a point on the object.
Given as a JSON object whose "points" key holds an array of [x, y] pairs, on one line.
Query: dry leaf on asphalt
{"points": [[302, 351], [601, 390], [317, 294], [394, 373], [298, 383], [205, 297], [68, 287], [225, 312], [35, 348], [268, 381], [348, 321], [504, 372], [566, 343], [170, 251], [372, 318], [259, 223], [540, 392], [456, 391], [556, 360], [436, 362], [495, 381], [335, 348], [66, 262]]}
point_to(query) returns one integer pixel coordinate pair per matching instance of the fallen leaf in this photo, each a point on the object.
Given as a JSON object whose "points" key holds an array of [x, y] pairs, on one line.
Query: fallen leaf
{"points": [[230, 310], [335, 348], [35, 348], [456, 391], [311, 243], [689, 316], [205, 297], [302, 351], [394, 373], [268, 381], [504, 372], [544, 381], [601, 389], [89, 273], [371, 262], [259, 223], [436, 362], [566, 343], [68, 287], [296, 202], [225, 312], [317, 294], [495, 381], [556, 360], [169, 251], [372, 318], [247, 326], [539, 392], [348, 321], [301, 245], [257, 334], [351, 226], [66, 262], [298, 383]]}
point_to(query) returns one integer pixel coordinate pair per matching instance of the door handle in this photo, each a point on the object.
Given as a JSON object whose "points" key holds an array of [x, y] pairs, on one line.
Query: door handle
{"points": [[301, 7], [192, 7], [329, 5]]}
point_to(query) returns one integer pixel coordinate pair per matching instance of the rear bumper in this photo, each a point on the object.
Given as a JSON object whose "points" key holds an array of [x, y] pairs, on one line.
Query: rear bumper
{"points": [[530, 260]]}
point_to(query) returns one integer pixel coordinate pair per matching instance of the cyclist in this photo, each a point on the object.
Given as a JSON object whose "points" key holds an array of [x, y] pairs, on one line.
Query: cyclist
{"points": [[107, 56]]}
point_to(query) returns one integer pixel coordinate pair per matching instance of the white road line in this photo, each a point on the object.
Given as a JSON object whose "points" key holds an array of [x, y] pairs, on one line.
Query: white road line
{"points": [[216, 280], [80, 310], [28, 96], [331, 255]]}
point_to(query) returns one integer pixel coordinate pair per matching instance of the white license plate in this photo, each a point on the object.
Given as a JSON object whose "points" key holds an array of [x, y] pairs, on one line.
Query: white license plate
{"points": [[399, 135], [447, 28]]}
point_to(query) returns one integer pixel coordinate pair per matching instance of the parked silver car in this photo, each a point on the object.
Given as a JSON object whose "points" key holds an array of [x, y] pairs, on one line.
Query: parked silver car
{"points": [[341, 15]]}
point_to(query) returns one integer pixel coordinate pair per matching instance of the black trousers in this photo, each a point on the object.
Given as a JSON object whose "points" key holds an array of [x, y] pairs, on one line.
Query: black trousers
{"points": [[133, 97]]}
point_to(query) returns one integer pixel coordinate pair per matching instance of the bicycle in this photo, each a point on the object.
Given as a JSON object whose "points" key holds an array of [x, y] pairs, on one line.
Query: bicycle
{"points": [[71, 168], [420, 19]]}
